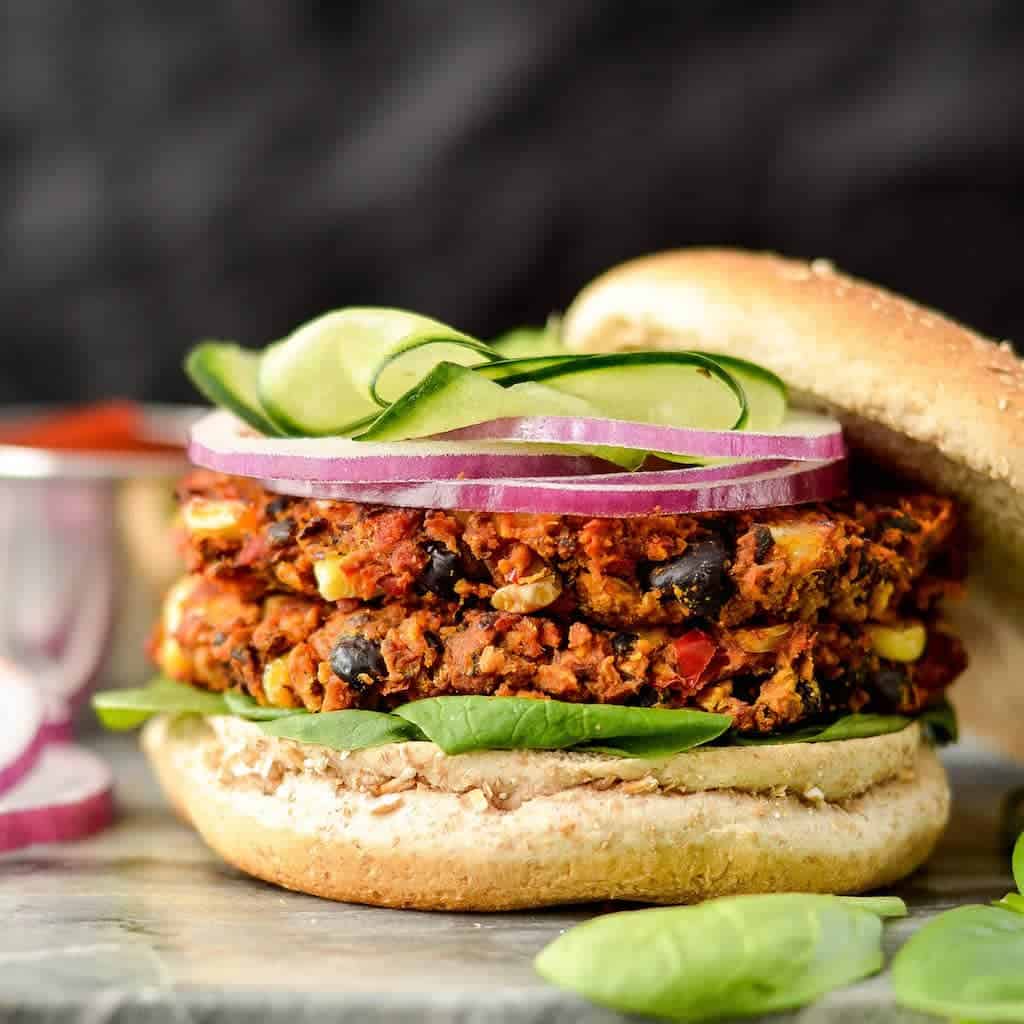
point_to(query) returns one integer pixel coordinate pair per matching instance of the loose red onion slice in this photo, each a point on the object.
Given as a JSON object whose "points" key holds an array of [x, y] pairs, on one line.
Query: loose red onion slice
{"points": [[804, 436], [223, 443], [790, 483], [57, 725], [22, 734], [67, 795]]}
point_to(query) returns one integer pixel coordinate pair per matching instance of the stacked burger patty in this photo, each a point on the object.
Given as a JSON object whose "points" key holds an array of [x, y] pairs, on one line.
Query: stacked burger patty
{"points": [[776, 617]]}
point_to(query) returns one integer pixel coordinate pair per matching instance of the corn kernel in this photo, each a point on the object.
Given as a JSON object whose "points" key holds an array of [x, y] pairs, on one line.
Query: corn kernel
{"points": [[902, 642], [277, 682], [523, 598], [331, 580], [174, 603], [173, 659], [222, 520], [762, 639]]}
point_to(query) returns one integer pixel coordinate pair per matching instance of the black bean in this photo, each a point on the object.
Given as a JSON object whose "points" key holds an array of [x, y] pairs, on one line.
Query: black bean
{"points": [[281, 532], [358, 661], [441, 572], [277, 506], [746, 688], [763, 543], [314, 526], [435, 643], [697, 577], [889, 683], [623, 643], [809, 693], [901, 522]]}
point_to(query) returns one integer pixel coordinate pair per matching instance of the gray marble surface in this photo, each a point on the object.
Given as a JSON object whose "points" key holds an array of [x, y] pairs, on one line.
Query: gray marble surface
{"points": [[142, 923]]}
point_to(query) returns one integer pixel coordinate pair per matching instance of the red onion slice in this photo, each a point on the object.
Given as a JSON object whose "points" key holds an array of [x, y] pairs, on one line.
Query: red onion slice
{"points": [[790, 483], [67, 795], [223, 443], [22, 735], [804, 436]]}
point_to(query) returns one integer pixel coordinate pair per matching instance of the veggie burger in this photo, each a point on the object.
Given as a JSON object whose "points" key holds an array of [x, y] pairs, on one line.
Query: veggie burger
{"points": [[605, 610]]}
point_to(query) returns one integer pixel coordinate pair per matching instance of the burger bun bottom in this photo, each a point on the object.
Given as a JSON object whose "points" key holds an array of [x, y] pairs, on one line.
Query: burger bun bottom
{"points": [[403, 843]]}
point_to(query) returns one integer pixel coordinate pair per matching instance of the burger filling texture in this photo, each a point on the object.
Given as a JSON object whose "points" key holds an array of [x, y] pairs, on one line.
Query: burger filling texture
{"points": [[777, 618]]}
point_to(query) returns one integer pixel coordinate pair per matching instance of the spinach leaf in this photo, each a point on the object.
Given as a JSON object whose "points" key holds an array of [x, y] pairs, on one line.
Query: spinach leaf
{"points": [[1018, 863], [343, 730], [461, 724], [849, 727], [1012, 901], [967, 962], [881, 906], [244, 706], [941, 724], [735, 957], [126, 709]]}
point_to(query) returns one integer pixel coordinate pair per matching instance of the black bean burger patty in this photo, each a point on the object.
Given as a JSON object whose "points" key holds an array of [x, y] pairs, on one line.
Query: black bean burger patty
{"points": [[291, 650], [849, 561]]}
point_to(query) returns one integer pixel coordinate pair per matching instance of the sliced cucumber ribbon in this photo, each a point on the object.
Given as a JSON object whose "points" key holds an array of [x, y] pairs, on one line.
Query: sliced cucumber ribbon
{"points": [[335, 373], [378, 374]]}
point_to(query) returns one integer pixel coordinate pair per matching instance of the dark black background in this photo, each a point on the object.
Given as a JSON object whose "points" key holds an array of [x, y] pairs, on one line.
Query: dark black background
{"points": [[171, 170]]}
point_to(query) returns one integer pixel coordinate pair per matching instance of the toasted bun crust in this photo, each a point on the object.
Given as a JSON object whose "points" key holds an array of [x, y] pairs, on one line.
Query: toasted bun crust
{"points": [[414, 828], [916, 390]]}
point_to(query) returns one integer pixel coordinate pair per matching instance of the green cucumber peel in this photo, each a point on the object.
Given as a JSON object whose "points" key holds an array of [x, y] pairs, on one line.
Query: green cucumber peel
{"points": [[462, 724], [119, 710], [967, 963], [740, 956], [227, 375]]}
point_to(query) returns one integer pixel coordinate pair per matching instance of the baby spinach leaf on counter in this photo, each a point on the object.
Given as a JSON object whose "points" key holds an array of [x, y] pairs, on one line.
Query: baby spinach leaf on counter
{"points": [[881, 906], [736, 957], [965, 963], [1018, 863], [1012, 901], [461, 724], [126, 709], [343, 730], [244, 706]]}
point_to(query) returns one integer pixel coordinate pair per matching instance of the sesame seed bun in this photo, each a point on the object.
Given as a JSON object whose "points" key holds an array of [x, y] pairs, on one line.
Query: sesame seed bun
{"points": [[405, 825], [914, 390]]}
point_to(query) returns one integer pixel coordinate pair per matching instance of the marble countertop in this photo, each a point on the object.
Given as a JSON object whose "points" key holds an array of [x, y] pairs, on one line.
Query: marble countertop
{"points": [[143, 923]]}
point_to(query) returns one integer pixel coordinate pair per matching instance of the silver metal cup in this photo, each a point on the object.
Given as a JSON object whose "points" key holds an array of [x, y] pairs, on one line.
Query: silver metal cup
{"points": [[85, 553]]}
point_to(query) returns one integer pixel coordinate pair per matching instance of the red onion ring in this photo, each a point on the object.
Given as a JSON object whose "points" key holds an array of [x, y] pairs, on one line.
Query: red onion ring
{"points": [[22, 733], [221, 442], [67, 795], [820, 446], [790, 483]]}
